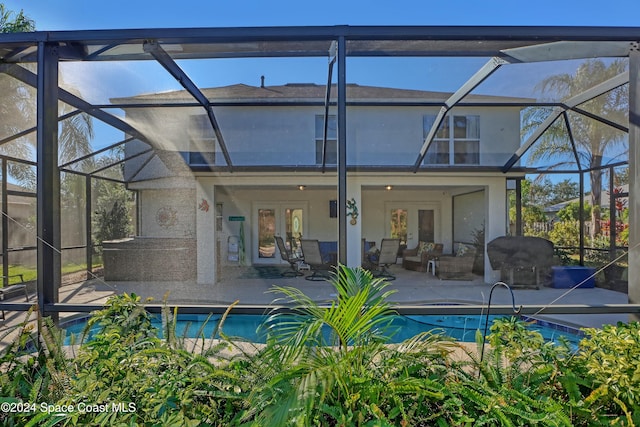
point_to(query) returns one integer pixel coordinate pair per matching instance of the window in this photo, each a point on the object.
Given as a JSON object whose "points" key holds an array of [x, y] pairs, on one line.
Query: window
{"points": [[332, 139], [457, 140]]}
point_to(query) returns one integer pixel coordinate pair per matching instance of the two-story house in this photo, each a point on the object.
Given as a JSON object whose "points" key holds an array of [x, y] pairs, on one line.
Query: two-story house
{"points": [[272, 171]]}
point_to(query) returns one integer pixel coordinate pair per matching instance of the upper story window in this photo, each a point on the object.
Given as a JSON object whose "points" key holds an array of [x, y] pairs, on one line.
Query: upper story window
{"points": [[332, 139], [457, 141]]}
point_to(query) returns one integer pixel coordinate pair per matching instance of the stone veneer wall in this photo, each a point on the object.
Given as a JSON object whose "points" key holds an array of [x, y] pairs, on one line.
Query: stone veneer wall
{"points": [[150, 258]]}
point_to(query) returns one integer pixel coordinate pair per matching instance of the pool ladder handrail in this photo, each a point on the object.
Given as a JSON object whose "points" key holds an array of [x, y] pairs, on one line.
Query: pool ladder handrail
{"points": [[516, 310]]}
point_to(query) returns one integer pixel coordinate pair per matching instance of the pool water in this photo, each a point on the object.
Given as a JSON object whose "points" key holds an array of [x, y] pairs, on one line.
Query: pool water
{"points": [[245, 327]]}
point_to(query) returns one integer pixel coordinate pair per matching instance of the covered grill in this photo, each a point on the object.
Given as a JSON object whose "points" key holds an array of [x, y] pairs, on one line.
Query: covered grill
{"points": [[522, 260]]}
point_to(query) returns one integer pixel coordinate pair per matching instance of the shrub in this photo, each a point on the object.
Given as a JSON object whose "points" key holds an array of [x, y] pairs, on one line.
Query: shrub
{"points": [[565, 233], [331, 365], [603, 379], [323, 365], [33, 367], [151, 381]]}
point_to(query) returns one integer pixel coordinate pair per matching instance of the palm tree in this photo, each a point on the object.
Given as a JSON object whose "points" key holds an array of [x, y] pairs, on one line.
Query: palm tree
{"points": [[17, 113], [593, 139], [18, 24], [328, 364]]}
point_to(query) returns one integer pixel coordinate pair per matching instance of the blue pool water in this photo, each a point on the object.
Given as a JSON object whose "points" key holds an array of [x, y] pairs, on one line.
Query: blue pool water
{"points": [[245, 327]]}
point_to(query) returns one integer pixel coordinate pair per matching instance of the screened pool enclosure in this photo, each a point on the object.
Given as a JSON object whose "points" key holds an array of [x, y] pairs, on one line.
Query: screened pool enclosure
{"points": [[173, 158]]}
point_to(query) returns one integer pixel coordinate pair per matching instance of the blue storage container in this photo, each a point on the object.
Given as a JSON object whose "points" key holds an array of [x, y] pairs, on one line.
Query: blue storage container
{"points": [[570, 276]]}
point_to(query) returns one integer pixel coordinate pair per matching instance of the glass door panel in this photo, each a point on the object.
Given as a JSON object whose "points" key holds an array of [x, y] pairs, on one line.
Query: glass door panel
{"points": [[399, 225], [266, 232], [293, 218], [283, 219]]}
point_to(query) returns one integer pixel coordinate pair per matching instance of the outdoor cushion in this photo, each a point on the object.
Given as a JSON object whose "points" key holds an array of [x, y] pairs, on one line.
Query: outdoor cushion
{"points": [[462, 249], [425, 247]]}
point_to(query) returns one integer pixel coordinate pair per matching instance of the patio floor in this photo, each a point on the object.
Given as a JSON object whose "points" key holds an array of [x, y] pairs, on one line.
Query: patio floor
{"points": [[410, 288]]}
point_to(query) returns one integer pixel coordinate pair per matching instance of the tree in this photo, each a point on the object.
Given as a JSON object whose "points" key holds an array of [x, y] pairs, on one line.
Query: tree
{"points": [[593, 140], [75, 133], [17, 110], [15, 24], [571, 212], [17, 113], [563, 191]]}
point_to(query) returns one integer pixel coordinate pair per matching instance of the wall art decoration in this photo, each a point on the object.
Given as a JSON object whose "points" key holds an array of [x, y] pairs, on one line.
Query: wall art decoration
{"points": [[204, 205], [167, 217]]}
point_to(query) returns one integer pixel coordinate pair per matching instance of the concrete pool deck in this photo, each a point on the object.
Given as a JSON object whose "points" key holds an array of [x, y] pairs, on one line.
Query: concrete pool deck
{"points": [[410, 288]]}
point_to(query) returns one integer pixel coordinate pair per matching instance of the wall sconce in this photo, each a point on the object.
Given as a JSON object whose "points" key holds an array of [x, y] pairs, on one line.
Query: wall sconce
{"points": [[388, 187], [301, 187]]}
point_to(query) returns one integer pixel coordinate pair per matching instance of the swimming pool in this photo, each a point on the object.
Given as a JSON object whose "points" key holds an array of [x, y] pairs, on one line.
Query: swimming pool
{"points": [[246, 326]]}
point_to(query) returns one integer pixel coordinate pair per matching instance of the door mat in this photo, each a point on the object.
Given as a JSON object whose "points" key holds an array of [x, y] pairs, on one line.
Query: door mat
{"points": [[264, 272]]}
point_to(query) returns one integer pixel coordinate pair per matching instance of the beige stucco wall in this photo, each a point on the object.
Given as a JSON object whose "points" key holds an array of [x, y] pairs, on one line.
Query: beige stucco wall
{"points": [[285, 135]]}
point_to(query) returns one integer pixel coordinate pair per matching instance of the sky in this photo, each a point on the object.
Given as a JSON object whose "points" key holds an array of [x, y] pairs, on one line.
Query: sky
{"points": [[422, 74], [91, 14]]}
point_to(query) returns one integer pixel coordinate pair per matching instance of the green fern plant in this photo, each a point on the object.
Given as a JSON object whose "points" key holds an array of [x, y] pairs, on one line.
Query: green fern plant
{"points": [[166, 383], [513, 385], [34, 366]]}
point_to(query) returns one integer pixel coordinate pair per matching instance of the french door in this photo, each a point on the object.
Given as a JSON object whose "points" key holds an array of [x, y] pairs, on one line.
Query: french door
{"points": [[413, 222], [270, 219]]}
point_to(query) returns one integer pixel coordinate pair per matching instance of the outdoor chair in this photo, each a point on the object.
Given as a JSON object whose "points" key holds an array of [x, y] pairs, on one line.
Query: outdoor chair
{"points": [[387, 256], [285, 255], [458, 266], [418, 258], [313, 258], [12, 288], [368, 250]]}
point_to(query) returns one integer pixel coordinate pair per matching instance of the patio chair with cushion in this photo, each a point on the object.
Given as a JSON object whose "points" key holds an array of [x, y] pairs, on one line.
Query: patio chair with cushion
{"points": [[285, 255], [418, 258], [458, 266], [387, 256], [313, 258], [369, 250]]}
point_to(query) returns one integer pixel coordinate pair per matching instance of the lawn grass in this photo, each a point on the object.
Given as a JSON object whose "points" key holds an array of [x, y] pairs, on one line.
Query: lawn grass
{"points": [[30, 273]]}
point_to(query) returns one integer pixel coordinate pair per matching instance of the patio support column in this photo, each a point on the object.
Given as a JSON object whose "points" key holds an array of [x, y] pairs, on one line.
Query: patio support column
{"points": [[581, 218], [206, 235], [48, 179], [634, 176], [519, 207], [354, 231], [342, 151], [495, 221], [5, 225], [87, 225]]}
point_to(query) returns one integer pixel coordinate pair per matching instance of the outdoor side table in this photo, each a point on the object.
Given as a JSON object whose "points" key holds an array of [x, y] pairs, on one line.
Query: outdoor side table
{"points": [[432, 265]]}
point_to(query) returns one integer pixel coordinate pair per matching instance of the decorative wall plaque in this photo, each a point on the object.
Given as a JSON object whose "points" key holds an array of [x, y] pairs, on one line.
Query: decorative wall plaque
{"points": [[167, 217]]}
